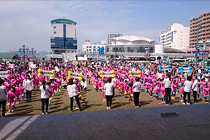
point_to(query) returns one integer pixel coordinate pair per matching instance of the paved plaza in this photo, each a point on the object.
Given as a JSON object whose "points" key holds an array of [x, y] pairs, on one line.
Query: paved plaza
{"points": [[190, 122]]}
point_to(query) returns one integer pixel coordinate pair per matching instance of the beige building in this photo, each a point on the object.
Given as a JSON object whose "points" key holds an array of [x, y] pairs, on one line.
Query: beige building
{"points": [[204, 30]]}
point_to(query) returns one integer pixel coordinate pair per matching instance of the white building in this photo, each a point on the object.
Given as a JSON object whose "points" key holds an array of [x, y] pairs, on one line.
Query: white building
{"points": [[94, 48], [176, 37], [63, 39]]}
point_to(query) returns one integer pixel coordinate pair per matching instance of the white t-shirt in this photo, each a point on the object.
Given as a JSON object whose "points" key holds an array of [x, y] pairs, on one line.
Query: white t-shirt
{"points": [[114, 81], [187, 86], [146, 71], [160, 75], [28, 84], [72, 90], [44, 93], [167, 83], [137, 87], [84, 84], [195, 83], [3, 93], [109, 89]]}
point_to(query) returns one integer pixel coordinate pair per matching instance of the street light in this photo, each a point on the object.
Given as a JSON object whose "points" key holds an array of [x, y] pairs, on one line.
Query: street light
{"points": [[32, 51], [196, 55], [204, 46], [147, 52], [24, 50]]}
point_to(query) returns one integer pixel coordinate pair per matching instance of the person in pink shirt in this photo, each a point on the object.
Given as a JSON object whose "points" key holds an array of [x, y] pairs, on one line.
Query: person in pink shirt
{"points": [[147, 85], [146, 78], [182, 81], [174, 89], [163, 93], [96, 84], [17, 94], [122, 87], [126, 87], [205, 93], [100, 84], [182, 93], [130, 91], [11, 100], [157, 90]]}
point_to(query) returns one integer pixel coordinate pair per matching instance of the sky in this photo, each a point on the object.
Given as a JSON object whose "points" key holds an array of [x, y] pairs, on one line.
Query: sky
{"points": [[28, 22]]}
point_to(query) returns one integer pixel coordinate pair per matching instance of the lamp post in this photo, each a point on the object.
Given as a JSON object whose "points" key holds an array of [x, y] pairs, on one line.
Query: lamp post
{"points": [[24, 50], [204, 46], [196, 55], [147, 52], [32, 51]]}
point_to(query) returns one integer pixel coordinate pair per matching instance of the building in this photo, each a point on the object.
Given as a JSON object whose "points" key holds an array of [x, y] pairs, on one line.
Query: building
{"points": [[94, 48], [63, 39], [130, 43], [127, 46], [177, 37], [133, 48], [111, 36], [202, 25]]}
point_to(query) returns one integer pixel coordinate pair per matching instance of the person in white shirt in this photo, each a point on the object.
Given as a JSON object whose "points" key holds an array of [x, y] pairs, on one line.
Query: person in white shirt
{"points": [[114, 82], [195, 88], [72, 91], [28, 86], [146, 71], [187, 89], [136, 91], [44, 96], [109, 92], [167, 85], [160, 75], [3, 97], [84, 84]]}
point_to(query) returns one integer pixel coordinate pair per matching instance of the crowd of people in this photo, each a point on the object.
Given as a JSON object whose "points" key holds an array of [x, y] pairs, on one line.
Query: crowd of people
{"points": [[128, 78]]}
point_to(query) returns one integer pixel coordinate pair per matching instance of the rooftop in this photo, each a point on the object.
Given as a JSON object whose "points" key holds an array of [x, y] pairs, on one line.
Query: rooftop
{"points": [[63, 20]]}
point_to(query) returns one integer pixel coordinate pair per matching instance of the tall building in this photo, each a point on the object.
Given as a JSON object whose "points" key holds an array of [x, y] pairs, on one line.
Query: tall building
{"points": [[176, 37], [63, 38], [111, 36], [94, 48], [201, 23]]}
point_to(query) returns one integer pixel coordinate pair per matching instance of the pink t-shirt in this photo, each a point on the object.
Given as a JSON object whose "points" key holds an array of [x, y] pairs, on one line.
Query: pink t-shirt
{"points": [[147, 85], [163, 91], [11, 96], [157, 89]]}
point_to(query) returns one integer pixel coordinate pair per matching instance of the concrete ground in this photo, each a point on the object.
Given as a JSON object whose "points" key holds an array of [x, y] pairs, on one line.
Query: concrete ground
{"points": [[191, 123]]}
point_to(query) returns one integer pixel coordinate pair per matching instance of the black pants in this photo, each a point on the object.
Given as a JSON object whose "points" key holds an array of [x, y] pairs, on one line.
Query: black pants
{"points": [[71, 103], [28, 95], [168, 95], [3, 104], [108, 100], [195, 96], [45, 102], [188, 94], [136, 98], [113, 92]]}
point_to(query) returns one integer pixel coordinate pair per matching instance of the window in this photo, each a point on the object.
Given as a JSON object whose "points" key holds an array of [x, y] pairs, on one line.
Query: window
{"points": [[54, 27], [54, 32]]}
